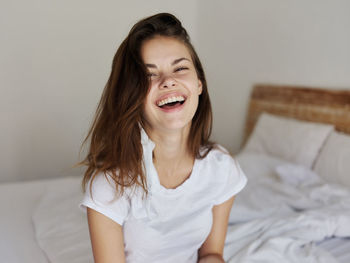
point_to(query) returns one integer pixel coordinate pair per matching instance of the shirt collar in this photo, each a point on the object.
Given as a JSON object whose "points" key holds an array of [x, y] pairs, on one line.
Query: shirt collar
{"points": [[146, 141]]}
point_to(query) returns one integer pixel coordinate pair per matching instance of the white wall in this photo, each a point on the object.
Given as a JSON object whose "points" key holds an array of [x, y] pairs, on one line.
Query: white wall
{"points": [[286, 42], [55, 60], [56, 57]]}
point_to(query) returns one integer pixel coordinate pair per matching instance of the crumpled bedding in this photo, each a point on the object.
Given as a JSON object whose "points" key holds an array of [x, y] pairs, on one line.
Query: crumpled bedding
{"points": [[284, 211]]}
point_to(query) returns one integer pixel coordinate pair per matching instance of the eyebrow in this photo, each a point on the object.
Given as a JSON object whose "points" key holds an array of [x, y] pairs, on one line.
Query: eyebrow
{"points": [[173, 63]]}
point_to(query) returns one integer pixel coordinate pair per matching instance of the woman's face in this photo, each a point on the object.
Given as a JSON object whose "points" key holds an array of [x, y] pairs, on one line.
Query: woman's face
{"points": [[172, 98]]}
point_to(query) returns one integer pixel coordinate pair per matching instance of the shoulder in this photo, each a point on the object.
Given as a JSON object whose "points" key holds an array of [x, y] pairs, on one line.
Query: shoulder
{"points": [[103, 187], [220, 159], [103, 198], [102, 183], [223, 173]]}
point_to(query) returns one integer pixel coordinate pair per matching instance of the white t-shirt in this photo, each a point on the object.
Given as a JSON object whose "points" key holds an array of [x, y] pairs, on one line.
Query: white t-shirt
{"points": [[170, 225]]}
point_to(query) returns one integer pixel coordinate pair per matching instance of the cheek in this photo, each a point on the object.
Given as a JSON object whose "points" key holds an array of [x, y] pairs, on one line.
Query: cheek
{"points": [[193, 82], [151, 91], [148, 105]]}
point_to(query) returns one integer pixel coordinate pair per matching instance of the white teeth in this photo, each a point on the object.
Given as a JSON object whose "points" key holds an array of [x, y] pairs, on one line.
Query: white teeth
{"points": [[169, 100]]}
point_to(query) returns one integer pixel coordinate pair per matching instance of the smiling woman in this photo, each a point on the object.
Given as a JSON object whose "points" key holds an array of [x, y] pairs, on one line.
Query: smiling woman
{"points": [[157, 190], [174, 88]]}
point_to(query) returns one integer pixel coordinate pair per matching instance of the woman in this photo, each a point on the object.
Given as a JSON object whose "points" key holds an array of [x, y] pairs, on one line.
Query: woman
{"points": [[157, 190]]}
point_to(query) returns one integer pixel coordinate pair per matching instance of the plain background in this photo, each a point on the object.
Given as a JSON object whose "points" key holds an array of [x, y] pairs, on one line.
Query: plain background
{"points": [[56, 56]]}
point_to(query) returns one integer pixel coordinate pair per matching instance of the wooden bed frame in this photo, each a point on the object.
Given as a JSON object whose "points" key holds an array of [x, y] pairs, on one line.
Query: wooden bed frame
{"points": [[302, 103]]}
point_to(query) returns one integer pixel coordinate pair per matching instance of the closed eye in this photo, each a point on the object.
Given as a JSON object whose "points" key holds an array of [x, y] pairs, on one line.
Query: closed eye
{"points": [[180, 69], [151, 74]]}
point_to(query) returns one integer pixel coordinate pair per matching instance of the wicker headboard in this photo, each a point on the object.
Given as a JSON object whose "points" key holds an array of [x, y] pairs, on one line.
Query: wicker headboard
{"points": [[302, 103]]}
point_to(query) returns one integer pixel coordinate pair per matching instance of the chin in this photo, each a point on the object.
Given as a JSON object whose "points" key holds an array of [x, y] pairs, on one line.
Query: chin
{"points": [[176, 125]]}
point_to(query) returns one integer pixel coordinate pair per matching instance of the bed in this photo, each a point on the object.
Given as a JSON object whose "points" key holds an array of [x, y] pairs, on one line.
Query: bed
{"points": [[295, 208], [296, 155]]}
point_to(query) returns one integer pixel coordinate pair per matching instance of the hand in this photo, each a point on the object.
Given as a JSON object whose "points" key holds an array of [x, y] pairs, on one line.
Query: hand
{"points": [[211, 258]]}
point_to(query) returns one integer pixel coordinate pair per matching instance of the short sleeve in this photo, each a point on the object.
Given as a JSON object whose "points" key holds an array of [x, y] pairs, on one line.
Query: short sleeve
{"points": [[104, 200], [232, 180]]}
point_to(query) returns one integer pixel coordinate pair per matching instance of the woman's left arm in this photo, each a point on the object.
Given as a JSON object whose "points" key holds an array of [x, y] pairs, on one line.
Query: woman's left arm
{"points": [[212, 249]]}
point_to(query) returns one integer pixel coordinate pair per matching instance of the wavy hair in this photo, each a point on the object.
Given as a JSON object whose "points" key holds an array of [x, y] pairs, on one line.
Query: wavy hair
{"points": [[115, 134]]}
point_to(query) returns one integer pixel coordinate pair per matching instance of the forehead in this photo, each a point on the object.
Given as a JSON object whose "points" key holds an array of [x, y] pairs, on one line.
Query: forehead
{"points": [[163, 49]]}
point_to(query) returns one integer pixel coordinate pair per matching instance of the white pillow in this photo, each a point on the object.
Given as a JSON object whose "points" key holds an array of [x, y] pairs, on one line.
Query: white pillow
{"points": [[61, 228], [333, 164], [290, 139]]}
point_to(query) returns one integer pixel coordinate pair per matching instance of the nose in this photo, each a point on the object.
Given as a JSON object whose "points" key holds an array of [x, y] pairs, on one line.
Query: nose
{"points": [[168, 82]]}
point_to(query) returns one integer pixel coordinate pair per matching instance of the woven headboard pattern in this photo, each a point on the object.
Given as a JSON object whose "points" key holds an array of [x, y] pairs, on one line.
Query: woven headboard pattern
{"points": [[302, 103]]}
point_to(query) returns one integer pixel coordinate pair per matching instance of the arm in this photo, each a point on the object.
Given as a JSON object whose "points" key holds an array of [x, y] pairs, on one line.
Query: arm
{"points": [[106, 238], [212, 249]]}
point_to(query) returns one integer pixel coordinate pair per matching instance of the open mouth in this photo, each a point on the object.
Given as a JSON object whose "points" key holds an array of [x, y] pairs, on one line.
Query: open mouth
{"points": [[171, 102]]}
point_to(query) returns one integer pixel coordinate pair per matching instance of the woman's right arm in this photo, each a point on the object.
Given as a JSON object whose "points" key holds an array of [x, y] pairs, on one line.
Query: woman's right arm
{"points": [[106, 238]]}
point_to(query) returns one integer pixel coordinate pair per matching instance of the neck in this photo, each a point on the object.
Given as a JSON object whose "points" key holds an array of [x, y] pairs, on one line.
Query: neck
{"points": [[171, 148]]}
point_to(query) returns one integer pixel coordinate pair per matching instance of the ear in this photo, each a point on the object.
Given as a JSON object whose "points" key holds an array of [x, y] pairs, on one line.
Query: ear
{"points": [[200, 87]]}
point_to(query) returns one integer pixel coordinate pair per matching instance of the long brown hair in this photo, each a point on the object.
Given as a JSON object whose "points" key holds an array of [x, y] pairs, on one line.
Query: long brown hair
{"points": [[115, 134]]}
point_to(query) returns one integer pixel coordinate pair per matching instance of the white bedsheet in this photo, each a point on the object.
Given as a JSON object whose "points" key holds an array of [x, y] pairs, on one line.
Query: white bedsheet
{"points": [[18, 203], [61, 228], [339, 247], [276, 220], [17, 236]]}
